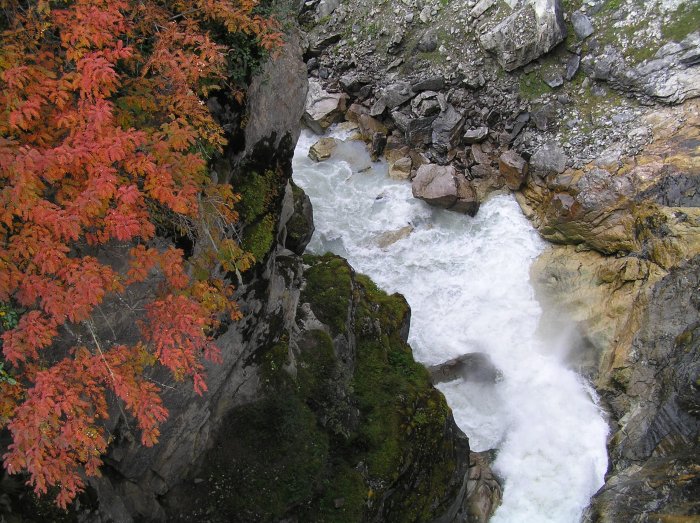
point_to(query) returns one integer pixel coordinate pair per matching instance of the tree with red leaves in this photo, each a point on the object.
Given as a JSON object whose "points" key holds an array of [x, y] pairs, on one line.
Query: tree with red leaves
{"points": [[103, 132]]}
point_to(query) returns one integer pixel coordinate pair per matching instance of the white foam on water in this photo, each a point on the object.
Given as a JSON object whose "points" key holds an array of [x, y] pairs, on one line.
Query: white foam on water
{"points": [[467, 281]]}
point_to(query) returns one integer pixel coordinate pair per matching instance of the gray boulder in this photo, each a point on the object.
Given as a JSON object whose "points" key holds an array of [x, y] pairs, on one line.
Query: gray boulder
{"points": [[526, 34], [323, 108], [447, 129], [548, 159], [477, 135], [440, 185], [582, 25], [474, 367], [671, 76]]}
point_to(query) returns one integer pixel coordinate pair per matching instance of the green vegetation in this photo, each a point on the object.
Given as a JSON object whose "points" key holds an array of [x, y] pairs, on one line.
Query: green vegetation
{"points": [[532, 86], [259, 237], [685, 20], [337, 440]]}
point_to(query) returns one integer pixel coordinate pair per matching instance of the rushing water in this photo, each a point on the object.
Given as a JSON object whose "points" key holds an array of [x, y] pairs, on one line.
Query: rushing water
{"points": [[467, 281]]}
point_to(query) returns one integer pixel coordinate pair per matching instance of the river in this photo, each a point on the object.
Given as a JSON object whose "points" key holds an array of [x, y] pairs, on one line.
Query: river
{"points": [[467, 282]]}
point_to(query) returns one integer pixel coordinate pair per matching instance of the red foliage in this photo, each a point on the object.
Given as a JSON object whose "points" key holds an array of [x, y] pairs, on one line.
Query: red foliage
{"points": [[102, 124]]}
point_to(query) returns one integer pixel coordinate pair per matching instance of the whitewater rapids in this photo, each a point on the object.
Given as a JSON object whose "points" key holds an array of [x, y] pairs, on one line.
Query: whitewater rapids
{"points": [[467, 282]]}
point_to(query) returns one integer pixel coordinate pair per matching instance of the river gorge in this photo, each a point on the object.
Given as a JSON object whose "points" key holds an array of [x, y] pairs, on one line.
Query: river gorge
{"points": [[467, 282]]}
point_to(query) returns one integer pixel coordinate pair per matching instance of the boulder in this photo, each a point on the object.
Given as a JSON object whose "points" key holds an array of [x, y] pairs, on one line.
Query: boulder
{"points": [[582, 25], [323, 108], [428, 42], [436, 184], [548, 159], [526, 34], [370, 126], [425, 104], [440, 185], [671, 76], [447, 129], [353, 82], [419, 131], [513, 168], [388, 238], [355, 111], [477, 135], [434, 83], [474, 367], [401, 168], [323, 149], [392, 96]]}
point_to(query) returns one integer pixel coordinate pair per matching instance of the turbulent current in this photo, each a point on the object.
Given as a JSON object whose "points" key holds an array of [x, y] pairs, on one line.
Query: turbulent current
{"points": [[467, 281]]}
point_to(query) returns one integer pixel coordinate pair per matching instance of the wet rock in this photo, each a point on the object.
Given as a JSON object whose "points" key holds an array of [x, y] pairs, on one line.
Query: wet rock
{"points": [[401, 168], [513, 168], [377, 145], [526, 34], [323, 149], [436, 184], [300, 227], [370, 126], [483, 489], [355, 111], [388, 238], [441, 186], [473, 367], [323, 108], [477, 135], [582, 25]]}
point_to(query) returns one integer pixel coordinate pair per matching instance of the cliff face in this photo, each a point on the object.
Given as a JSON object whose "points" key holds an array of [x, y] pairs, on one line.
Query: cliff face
{"points": [[318, 410]]}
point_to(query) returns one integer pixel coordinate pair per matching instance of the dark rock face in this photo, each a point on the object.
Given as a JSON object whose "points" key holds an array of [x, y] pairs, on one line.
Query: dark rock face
{"points": [[136, 479], [655, 455], [475, 366], [347, 424]]}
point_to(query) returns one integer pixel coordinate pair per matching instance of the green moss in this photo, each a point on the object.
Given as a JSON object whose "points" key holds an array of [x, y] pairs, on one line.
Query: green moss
{"points": [[328, 290], [684, 21], [532, 86], [257, 191], [328, 445], [258, 238], [271, 461]]}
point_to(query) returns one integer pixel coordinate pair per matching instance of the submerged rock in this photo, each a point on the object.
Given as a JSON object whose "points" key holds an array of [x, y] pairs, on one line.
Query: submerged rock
{"points": [[475, 366]]}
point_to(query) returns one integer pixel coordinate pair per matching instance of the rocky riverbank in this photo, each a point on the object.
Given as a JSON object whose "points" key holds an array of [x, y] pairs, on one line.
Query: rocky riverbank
{"points": [[587, 111]]}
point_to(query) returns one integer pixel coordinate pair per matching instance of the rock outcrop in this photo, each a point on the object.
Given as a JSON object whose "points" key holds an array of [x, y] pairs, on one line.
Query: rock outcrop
{"points": [[347, 425], [636, 311], [526, 34]]}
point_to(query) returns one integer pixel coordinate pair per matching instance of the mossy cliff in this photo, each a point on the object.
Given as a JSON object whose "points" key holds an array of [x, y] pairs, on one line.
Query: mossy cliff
{"points": [[348, 426]]}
